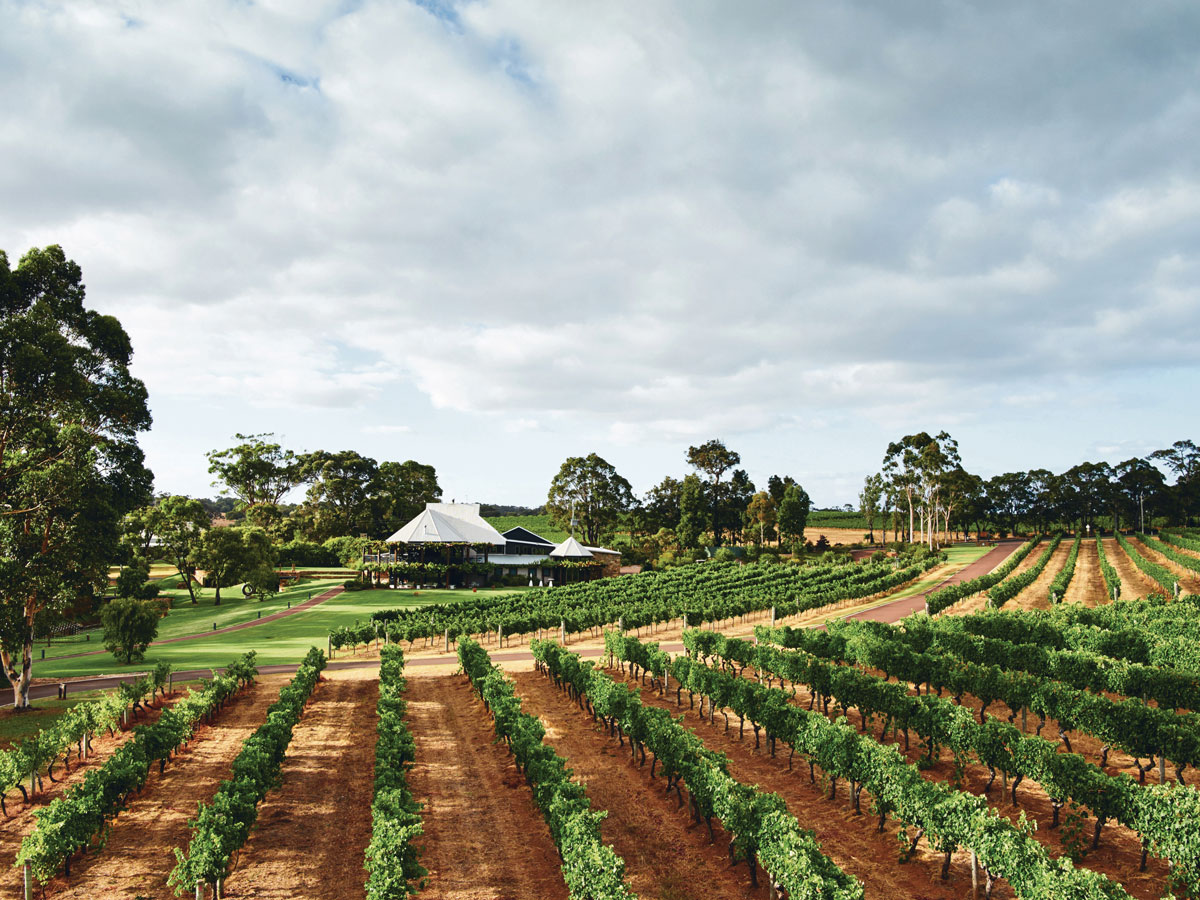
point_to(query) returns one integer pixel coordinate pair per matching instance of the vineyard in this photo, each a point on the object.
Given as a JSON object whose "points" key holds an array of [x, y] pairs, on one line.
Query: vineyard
{"points": [[1030, 737]]}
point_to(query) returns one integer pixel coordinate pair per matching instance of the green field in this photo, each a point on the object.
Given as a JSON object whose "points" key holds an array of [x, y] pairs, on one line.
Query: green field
{"points": [[537, 524], [282, 641]]}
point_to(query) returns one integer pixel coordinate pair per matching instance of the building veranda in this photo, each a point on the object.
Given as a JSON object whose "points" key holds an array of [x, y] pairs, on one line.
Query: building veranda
{"points": [[451, 545]]}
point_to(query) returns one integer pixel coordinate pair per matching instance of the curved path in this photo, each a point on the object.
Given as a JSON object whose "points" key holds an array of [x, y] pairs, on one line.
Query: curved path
{"points": [[886, 612], [253, 623]]}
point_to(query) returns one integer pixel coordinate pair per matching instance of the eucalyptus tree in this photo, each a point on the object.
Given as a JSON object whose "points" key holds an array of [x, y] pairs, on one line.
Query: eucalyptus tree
{"points": [[793, 513], [259, 472], [660, 506], [915, 466], [589, 491], [693, 511], [230, 556], [183, 523], [868, 502], [1138, 483], [714, 459], [761, 516], [1183, 459], [70, 466]]}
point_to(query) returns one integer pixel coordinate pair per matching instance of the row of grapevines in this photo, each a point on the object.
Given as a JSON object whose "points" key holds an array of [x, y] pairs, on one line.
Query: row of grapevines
{"points": [[1112, 581], [952, 593], [1164, 577], [70, 822], [592, 870], [762, 828], [704, 593], [995, 744], [1183, 559], [1058, 587], [74, 729], [222, 827], [1142, 731], [1181, 540], [1010, 587], [391, 856], [946, 818], [1168, 688]]}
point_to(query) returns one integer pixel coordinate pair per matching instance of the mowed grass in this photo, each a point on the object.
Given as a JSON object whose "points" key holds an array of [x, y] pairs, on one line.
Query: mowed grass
{"points": [[285, 640]]}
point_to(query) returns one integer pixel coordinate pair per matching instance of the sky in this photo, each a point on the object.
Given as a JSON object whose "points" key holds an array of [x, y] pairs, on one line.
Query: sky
{"points": [[492, 235]]}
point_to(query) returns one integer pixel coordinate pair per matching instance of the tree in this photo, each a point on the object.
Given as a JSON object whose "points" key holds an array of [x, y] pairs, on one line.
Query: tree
{"points": [[736, 495], [130, 626], [868, 501], [1138, 483], [401, 490], [257, 472], [660, 506], [70, 466], [761, 516], [793, 513], [340, 493], [587, 490], [134, 583], [776, 485], [183, 523], [693, 512], [915, 466], [1183, 459], [229, 555], [714, 459]]}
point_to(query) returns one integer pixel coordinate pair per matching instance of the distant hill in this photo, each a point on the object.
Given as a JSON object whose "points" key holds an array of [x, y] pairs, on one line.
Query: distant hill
{"points": [[537, 524]]}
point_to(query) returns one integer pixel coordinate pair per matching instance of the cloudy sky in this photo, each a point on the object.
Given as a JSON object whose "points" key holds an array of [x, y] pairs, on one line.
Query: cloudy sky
{"points": [[489, 235]]}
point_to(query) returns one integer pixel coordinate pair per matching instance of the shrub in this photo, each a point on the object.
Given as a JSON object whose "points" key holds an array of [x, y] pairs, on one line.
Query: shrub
{"points": [[129, 627]]}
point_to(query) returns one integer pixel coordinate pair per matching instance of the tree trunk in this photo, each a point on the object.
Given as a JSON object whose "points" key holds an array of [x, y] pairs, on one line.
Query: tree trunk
{"points": [[20, 679], [218, 600]]}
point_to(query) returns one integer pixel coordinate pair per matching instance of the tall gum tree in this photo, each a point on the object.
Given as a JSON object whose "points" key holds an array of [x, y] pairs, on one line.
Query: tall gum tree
{"points": [[70, 466]]}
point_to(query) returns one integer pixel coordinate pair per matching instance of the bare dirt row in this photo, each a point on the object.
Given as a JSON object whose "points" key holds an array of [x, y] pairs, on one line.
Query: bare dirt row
{"points": [[980, 601], [1189, 580], [137, 856], [1037, 595], [312, 828], [1087, 585], [835, 822], [1133, 583]]}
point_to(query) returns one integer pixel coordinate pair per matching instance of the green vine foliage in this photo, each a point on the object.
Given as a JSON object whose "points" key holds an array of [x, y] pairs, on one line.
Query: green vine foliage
{"points": [[591, 870], [1058, 587], [221, 827], [706, 592], [951, 594], [946, 818], [762, 828], [1010, 587], [82, 814], [392, 860]]}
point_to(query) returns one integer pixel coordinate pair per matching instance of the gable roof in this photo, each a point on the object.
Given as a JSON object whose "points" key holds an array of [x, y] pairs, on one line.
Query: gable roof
{"points": [[571, 549], [519, 535], [448, 523]]}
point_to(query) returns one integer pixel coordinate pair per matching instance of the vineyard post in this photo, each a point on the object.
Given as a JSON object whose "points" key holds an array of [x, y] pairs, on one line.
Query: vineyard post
{"points": [[499, 636], [199, 890], [1162, 768], [447, 648], [621, 624], [974, 874], [330, 640], [28, 882], [772, 616], [562, 631]]}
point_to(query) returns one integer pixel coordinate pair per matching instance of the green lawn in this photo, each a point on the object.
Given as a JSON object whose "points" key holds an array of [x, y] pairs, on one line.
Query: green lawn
{"points": [[282, 641]]}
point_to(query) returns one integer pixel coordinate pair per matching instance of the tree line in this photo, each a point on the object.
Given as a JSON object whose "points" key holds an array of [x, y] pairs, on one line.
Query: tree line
{"points": [[714, 504], [922, 486]]}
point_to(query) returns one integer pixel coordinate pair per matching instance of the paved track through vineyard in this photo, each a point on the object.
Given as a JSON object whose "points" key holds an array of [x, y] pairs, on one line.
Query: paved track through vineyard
{"points": [[312, 829], [665, 853], [138, 855], [484, 837], [979, 602]]}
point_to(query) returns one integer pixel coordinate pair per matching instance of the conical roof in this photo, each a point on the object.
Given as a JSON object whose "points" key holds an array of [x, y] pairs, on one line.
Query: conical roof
{"points": [[570, 549], [448, 523]]}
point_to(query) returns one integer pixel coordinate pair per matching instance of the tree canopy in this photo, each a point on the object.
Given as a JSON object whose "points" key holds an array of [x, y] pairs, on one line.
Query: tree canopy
{"points": [[589, 489], [70, 465]]}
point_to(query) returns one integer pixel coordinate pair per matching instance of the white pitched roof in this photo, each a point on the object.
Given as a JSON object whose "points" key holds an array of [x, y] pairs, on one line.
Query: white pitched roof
{"points": [[448, 523], [571, 549]]}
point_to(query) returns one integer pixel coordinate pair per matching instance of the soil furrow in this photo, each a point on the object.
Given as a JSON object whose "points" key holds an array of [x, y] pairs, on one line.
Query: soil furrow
{"points": [[665, 853], [1117, 856], [1133, 583], [484, 837], [20, 820], [1189, 581], [313, 828], [1087, 586], [1037, 595], [138, 854], [980, 601]]}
